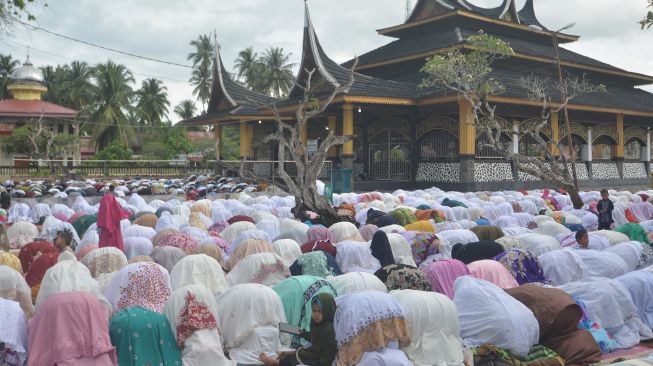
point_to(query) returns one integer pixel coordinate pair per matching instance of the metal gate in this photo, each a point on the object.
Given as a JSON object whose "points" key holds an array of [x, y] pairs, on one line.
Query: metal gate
{"points": [[390, 156]]}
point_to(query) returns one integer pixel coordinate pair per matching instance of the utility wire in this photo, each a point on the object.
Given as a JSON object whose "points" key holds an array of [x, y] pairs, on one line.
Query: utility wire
{"points": [[17, 44], [131, 54], [97, 45]]}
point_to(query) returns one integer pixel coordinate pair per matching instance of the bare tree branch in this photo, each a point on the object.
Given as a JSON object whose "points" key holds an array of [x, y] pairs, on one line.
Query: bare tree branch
{"points": [[287, 137]]}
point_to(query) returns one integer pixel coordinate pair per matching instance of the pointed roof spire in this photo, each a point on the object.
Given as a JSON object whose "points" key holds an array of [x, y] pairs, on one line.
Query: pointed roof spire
{"points": [[527, 15], [226, 94], [218, 73]]}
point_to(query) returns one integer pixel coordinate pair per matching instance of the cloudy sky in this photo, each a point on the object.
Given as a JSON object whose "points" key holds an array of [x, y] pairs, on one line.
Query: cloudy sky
{"points": [[162, 29]]}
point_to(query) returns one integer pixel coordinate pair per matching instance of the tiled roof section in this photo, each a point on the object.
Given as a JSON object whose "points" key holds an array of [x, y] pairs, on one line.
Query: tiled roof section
{"points": [[34, 109], [447, 38], [620, 97], [226, 93], [241, 94]]}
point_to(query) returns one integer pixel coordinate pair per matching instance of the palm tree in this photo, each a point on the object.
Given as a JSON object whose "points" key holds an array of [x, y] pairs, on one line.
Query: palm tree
{"points": [[7, 66], [202, 59], [152, 101], [112, 96], [202, 79], [204, 51], [79, 85], [280, 76], [251, 70], [186, 109], [54, 78]]}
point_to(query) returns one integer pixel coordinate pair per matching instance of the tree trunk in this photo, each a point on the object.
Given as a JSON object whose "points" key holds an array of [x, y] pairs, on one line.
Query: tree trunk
{"points": [[575, 198]]}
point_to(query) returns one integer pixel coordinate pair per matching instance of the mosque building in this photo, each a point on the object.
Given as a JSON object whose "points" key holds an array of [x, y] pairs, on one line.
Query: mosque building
{"points": [[26, 106], [412, 137]]}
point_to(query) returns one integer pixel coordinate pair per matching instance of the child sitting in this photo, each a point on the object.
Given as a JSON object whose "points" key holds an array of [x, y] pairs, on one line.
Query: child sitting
{"points": [[322, 336]]}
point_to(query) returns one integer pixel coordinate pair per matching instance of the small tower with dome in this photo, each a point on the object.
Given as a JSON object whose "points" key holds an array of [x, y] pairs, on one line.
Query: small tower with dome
{"points": [[27, 82]]}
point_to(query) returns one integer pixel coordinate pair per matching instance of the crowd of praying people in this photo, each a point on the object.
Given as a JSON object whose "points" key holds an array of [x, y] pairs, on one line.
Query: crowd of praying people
{"points": [[421, 278]]}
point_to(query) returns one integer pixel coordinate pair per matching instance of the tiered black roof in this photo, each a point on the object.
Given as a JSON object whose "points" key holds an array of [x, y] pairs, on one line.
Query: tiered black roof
{"points": [[452, 37], [230, 99]]}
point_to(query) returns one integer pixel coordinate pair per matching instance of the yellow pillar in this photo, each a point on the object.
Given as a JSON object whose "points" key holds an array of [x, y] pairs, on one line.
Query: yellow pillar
{"points": [[332, 127], [348, 129], [466, 129], [555, 133], [620, 137], [245, 140]]}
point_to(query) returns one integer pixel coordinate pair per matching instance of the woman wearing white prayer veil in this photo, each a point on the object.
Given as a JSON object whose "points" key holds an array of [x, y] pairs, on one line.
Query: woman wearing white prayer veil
{"points": [[18, 212], [249, 315], [52, 225], [264, 268], [199, 269], [614, 237], [13, 334], [501, 321], [137, 231], [432, 320], [39, 212], [562, 266], [82, 206], [630, 252], [270, 227], [640, 286], [166, 222], [357, 282], [232, 231], [609, 303], [288, 249], [13, 287], [21, 233], [246, 235], [539, 243], [69, 276], [345, 231], [354, 256], [193, 316], [603, 263]]}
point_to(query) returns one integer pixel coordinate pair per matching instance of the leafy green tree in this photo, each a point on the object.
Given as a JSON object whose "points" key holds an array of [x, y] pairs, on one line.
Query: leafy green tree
{"points": [[648, 21], [204, 147], [202, 58], [166, 143], [115, 151], [230, 143], [177, 143], [186, 109], [7, 66], [38, 139], [112, 97], [13, 9], [152, 101], [155, 150], [279, 75], [469, 75]]}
